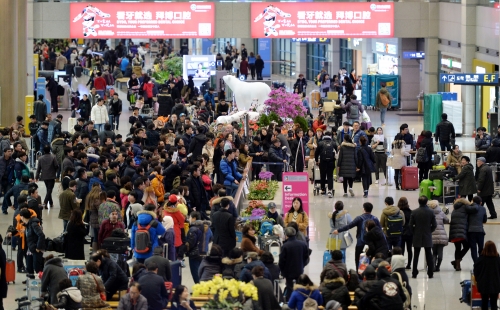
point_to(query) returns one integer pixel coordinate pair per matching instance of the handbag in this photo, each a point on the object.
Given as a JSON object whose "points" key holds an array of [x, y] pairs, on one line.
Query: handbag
{"points": [[102, 294], [333, 243], [389, 161]]}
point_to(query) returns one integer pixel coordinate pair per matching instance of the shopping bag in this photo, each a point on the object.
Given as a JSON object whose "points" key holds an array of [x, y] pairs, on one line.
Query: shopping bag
{"points": [[366, 117], [333, 243], [364, 261], [348, 239]]}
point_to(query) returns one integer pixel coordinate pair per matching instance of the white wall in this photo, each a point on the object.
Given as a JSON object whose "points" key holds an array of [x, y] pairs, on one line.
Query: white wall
{"points": [[449, 21]]}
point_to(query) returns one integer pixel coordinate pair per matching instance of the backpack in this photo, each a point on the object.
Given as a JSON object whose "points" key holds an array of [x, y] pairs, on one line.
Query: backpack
{"points": [[363, 228], [328, 150], [143, 242], [309, 303], [407, 303], [354, 111], [384, 100], [266, 228], [422, 155], [395, 224]]}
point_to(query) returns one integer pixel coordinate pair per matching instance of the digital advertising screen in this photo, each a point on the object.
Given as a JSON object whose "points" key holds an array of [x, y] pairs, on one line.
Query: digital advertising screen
{"points": [[200, 67], [322, 20], [142, 20]]}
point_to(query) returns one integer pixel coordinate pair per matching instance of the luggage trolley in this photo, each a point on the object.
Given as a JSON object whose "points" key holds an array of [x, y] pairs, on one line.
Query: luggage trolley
{"points": [[495, 170], [470, 294], [450, 193], [316, 180]]}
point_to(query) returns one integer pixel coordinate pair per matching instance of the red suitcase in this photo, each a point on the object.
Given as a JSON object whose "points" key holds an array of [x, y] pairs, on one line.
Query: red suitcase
{"points": [[409, 178], [10, 267]]}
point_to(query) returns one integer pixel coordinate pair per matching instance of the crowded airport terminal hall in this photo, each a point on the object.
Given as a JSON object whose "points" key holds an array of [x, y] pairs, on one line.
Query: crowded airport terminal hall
{"points": [[249, 155]]}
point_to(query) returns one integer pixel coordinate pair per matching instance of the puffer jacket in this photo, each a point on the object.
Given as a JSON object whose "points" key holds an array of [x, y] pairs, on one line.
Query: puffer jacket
{"points": [[390, 211], [336, 265], [485, 183], [484, 143], [58, 150], [343, 218], [406, 227], [176, 214], [246, 272], [143, 219], [398, 160], [477, 217], [454, 160], [445, 131], [347, 160], [99, 114], [459, 220], [364, 287], [232, 267], [466, 181], [439, 234], [229, 171], [493, 152], [53, 272], [209, 267], [335, 289], [301, 293], [376, 242]]}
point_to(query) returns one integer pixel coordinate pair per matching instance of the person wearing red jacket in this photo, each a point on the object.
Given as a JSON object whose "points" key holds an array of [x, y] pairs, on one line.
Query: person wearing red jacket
{"points": [[108, 225], [100, 84], [244, 67], [148, 91], [319, 123]]}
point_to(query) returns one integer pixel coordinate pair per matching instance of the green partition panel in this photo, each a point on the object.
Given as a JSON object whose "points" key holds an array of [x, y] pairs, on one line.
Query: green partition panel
{"points": [[433, 108]]}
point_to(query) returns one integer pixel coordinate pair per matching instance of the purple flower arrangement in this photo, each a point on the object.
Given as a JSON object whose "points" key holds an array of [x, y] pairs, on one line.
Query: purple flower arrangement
{"points": [[286, 105], [258, 212], [266, 175]]}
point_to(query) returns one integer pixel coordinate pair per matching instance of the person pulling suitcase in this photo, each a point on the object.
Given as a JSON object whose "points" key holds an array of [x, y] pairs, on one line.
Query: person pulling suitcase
{"points": [[325, 159]]}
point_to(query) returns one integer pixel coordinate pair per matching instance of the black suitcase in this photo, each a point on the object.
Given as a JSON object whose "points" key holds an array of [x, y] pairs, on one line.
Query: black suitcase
{"points": [[116, 245], [78, 71]]}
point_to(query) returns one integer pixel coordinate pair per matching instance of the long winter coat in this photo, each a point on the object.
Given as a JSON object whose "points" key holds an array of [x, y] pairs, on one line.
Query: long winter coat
{"points": [[453, 160], [53, 272], [178, 218], [422, 224], [376, 242], [223, 230], [485, 184], [267, 300], [335, 289], [398, 160], [366, 160], [466, 181], [347, 160], [439, 235], [487, 274], [429, 149], [459, 220]]}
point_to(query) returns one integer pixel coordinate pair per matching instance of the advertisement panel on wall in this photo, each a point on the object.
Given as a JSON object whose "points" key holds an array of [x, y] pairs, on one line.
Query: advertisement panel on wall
{"points": [[323, 20], [142, 20], [200, 67]]}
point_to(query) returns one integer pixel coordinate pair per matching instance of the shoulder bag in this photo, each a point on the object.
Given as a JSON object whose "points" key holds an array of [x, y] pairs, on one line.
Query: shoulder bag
{"points": [[101, 293]]}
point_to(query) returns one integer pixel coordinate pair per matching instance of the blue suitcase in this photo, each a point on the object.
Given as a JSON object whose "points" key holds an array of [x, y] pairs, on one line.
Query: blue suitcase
{"points": [[327, 256], [466, 291], [176, 268]]}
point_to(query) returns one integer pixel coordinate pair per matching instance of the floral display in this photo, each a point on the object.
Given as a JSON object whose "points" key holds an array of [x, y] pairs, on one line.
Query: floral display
{"points": [[266, 175], [263, 189], [227, 294], [287, 105]]}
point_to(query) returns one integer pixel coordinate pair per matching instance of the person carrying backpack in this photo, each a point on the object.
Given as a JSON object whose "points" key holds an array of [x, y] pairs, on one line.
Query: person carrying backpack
{"points": [[145, 233], [305, 295], [360, 223], [324, 157], [392, 221], [386, 294], [354, 109]]}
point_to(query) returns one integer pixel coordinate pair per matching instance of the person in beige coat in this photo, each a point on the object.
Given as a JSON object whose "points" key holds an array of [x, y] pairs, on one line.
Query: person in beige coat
{"points": [[454, 159], [61, 62], [399, 158], [208, 149]]}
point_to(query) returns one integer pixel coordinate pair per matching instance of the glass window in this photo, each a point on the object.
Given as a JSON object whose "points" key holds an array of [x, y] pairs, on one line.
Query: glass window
{"points": [[315, 59], [287, 57]]}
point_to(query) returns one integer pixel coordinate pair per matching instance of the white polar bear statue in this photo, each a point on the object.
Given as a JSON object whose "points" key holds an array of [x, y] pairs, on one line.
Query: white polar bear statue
{"points": [[245, 93]]}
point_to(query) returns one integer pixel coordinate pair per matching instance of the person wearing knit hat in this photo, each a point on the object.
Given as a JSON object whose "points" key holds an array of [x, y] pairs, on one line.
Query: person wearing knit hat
{"points": [[485, 186], [168, 238]]}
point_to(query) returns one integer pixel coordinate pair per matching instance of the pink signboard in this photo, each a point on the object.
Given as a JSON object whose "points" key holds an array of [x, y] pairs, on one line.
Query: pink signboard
{"points": [[295, 184]]}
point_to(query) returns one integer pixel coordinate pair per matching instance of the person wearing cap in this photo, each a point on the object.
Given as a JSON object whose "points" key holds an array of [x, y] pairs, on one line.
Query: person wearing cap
{"points": [[252, 261], [466, 181], [485, 185], [170, 209], [294, 257], [99, 115], [272, 213]]}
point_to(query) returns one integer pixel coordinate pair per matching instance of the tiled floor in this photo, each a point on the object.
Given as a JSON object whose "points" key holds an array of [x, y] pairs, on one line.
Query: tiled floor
{"points": [[441, 292]]}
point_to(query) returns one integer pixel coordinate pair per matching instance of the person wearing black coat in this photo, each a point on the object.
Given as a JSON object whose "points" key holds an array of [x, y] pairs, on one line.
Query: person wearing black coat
{"points": [[485, 185], [375, 240], [53, 272], [173, 124], [475, 232], [153, 288], [487, 275], [197, 143], [381, 294], [424, 167], [169, 174], [259, 66], [223, 230], [458, 230], [255, 151], [298, 147], [153, 136], [493, 152], [112, 275], [110, 185], [75, 239], [35, 240], [178, 109], [333, 288], [294, 257], [422, 224], [197, 193], [445, 132], [276, 155], [365, 164], [407, 236], [346, 164]]}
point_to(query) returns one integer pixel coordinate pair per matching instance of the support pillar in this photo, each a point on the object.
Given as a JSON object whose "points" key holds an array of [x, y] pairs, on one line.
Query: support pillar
{"points": [[300, 58], [13, 76], [468, 52]]}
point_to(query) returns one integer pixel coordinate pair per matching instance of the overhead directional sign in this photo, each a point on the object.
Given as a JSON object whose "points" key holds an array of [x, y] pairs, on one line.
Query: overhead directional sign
{"points": [[469, 78]]}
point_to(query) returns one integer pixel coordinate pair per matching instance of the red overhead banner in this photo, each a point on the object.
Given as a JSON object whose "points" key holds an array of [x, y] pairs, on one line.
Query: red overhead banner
{"points": [[322, 20], [142, 20]]}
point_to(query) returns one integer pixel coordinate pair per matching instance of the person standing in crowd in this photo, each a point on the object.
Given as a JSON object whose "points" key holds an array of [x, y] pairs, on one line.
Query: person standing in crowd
{"points": [[153, 288], [35, 239], [486, 186], [392, 221], [346, 164], [277, 156], [398, 160], [445, 133], [365, 164], [439, 237], [354, 109], [422, 224], [99, 115], [115, 110], [324, 156], [259, 66], [487, 276], [458, 230], [68, 203], [198, 194], [294, 257], [298, 151], [46, 171], [298, 215], [466, 181], [75, 237], [475, 229], [380, 152], [3, 272], [425, 166], [482, 140], [407, 236], [223, 228], [383, 103]]}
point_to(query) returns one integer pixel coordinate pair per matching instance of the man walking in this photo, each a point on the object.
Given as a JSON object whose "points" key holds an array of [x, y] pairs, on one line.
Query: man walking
{"points": [[485, 186], [294, 257], [445, 132], [46, 171], [223, 228], [475, 234], [383, 102], [422, 224], [392, 221], [325, 159]]}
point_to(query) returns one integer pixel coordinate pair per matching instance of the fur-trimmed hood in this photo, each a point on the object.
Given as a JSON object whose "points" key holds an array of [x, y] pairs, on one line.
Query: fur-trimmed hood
{"points": [[461, 202], [433, 204], [124, 191], [336, 280], [171, 209], [218, 199], [145, 217], [230, 261], [348, 144], [339, 215], [307, 288]]}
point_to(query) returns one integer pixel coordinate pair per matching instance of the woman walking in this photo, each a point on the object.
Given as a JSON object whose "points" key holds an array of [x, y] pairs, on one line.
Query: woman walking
{"points": [[399, 158], [439, 237], [365, 164], [458, 231], [487, 275], [347, 160], [407, 237], [380, 151], [424, 167]]}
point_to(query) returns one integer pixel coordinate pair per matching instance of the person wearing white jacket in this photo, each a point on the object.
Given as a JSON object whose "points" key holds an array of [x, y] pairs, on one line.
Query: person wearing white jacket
{"points": [[142, 52], [99, 115], [236, 64]]}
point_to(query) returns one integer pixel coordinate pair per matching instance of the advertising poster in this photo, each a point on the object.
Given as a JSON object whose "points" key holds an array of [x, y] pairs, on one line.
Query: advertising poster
{"points": [[142, 20], [295, 184], [265, 54], [322, 20]]}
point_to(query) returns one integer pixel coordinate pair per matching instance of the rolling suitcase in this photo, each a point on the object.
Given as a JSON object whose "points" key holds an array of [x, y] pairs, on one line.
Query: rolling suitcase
{"points": [[438, 191], [165, 250], [176, 269], [78, 71], [409, 178], [327, 256], [466, 291], [10, 267], [425, 190]]}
